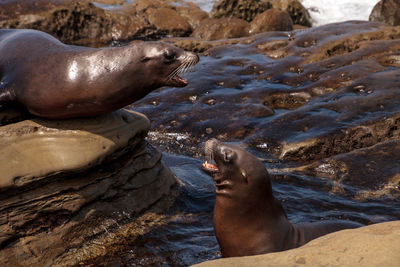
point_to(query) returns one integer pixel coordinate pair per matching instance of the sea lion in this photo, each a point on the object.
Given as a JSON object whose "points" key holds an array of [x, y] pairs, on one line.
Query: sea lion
{"points": [[54, 80], [248, 220]]}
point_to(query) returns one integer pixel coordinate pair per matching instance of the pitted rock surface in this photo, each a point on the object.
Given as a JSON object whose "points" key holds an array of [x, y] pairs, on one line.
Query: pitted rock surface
{"points": [[299, 97], [67, 183]]}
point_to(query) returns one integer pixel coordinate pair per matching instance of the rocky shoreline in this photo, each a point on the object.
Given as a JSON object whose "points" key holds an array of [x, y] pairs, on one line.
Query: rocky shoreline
{"points": [[93, 176], [317, 101]]}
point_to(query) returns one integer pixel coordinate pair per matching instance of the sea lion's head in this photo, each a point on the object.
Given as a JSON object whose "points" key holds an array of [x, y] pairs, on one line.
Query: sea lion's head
{"points": [[236, 172], [167, 62]]}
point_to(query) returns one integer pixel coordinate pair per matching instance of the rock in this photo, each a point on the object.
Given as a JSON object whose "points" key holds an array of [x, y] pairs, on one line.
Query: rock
{"points": [[334, 249], [242, 9], [216, 29], [271, 20], [296, 10], [248, 10], [67, 182], [363, 168], [162, 17], [73, 22], [192, 13], [80, 144], [168, 21], [387, 11], [92, 23]]}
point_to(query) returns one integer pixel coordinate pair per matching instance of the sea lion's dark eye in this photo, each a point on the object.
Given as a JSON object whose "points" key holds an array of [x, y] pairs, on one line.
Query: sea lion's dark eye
{"points": [[144, 59], [228, 155], [169, 56]]}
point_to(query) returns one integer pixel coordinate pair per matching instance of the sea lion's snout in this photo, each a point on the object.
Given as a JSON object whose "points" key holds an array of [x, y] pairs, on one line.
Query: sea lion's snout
{"points": [[184, 61], [208, 165], [216, 151]]}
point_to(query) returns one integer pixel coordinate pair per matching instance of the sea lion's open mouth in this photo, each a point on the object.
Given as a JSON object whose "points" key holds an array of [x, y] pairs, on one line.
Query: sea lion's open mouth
{"points": [[222, 184], [177, 81], [210, 167], [174, 79]]}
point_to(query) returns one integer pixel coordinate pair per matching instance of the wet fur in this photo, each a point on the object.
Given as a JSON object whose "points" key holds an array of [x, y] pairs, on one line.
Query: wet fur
{"points": [[55, 80], [248, 219]]}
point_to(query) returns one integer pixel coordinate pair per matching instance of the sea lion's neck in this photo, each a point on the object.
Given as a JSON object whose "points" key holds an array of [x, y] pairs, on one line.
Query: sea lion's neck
{"points": [[94, 65], [249, 229]]}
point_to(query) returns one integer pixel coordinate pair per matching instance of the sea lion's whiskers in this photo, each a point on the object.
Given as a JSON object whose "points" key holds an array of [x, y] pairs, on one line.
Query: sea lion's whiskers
{"points": [[182, 68], [209, 154], [174, 72], [177, 71], [185, 67]]}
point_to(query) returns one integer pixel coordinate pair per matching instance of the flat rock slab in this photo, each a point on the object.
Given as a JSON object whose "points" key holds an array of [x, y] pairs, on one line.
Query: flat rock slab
{"points": [[374, 245], [33, 149]]}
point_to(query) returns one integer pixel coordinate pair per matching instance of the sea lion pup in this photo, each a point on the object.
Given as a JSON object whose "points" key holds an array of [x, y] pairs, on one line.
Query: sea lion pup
{"points": [[248, 220], [54, 80]]}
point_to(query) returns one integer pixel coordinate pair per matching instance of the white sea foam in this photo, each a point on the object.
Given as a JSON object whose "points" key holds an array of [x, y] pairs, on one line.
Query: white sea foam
{"points": [[329, 11], [323, 11]]}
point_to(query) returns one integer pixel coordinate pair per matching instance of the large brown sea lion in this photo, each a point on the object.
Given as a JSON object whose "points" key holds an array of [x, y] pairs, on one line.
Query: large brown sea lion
{"points": [[55, 80], [248, 220]]}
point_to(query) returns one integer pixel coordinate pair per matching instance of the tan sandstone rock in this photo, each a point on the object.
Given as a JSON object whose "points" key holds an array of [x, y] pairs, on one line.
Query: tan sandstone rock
{"points": [[67, 183], [271, 20], [374, 245], [224, 28], [38, 148]]}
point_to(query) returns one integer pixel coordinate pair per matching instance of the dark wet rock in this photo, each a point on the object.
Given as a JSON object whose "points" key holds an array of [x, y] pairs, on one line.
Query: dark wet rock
{"points": [[387, 11], [326, 91], [248, 10], [12, 115], [271, 20], [93, 23], [361, 167], [67, 183], [216, 29], [199, 45]]}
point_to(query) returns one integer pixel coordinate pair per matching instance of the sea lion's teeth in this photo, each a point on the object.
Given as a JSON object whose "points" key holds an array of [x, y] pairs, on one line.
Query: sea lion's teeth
{"points": [[210, 166]]}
